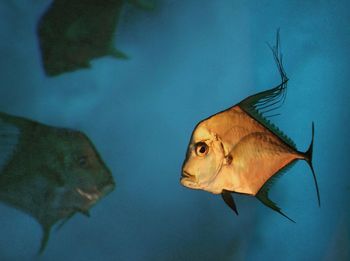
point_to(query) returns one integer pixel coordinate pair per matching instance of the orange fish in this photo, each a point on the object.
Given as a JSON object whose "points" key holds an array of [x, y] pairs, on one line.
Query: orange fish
{"points": [[240, 150]]}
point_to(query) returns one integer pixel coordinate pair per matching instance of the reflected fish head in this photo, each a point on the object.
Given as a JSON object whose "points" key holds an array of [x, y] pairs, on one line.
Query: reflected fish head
{"points": [[86, 177], [204, 159]]}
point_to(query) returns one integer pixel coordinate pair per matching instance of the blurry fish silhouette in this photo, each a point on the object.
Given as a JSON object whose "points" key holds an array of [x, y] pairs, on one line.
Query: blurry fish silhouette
{"points": [[50, 173], [239, 150], [73, 32]]}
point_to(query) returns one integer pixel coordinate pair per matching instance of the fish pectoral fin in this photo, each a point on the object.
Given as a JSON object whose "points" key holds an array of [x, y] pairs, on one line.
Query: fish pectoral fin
{"points": [[227, 197], [263, 197]]}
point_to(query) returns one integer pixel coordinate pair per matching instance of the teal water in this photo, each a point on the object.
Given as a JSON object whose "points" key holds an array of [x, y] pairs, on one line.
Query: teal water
{"points": [[187, 62]]}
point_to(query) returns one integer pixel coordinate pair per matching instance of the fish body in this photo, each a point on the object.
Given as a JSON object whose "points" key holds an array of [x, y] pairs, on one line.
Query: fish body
{"points": [[49, 173], [240, 150], [71, 33], [237, 144]]}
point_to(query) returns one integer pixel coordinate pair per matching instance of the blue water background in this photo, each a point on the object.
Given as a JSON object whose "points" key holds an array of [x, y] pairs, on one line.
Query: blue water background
{"points": [[189, 60]]}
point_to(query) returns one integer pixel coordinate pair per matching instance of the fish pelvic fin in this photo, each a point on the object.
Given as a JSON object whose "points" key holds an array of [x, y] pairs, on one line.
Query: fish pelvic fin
{"points": [[45, 238], [227, 197], [263, 197], [308, 158]]}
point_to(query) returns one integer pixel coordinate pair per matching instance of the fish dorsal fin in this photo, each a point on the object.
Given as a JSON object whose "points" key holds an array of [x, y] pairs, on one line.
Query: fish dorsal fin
{"points": [[9, 139], [263, 196], [261, 105]]}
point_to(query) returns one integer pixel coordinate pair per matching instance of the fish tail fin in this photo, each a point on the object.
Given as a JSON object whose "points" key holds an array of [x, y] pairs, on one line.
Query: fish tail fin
{"points": [[308, 158], [308, 153]]}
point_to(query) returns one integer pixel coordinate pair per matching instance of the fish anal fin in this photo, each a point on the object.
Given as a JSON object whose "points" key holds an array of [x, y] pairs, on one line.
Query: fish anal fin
{"points": [[64, 221], [266, 187], [263, 197], [227, 197]]}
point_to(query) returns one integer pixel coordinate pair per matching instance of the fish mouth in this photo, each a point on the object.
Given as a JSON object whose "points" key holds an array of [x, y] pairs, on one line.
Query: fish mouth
{"points": [[187, 175], [91, 195], [188, 180], [94, 194]]}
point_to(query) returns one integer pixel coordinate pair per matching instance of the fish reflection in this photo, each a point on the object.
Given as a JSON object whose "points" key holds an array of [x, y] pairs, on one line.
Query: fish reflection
{"points": [[71, 33], [240, 150], [49, 173]]}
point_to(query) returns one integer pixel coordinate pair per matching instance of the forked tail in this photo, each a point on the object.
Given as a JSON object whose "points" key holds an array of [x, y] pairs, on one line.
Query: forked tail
{"points": [[308, 155]]}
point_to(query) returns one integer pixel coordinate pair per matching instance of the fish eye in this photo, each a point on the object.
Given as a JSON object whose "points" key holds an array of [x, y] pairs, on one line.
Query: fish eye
{"points": [[201, 149], [83, 161]]}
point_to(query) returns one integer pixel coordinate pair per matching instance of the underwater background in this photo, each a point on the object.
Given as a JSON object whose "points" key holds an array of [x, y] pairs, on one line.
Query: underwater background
{"points": [[187, 61]]}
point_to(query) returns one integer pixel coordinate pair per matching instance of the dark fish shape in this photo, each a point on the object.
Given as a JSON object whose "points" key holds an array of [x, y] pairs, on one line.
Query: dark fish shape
{"points": [[240, 150], [49, 173], [73, 32]]}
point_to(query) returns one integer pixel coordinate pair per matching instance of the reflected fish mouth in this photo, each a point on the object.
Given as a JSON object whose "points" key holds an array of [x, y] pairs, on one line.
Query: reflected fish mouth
{"points": [[93, 195]]}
